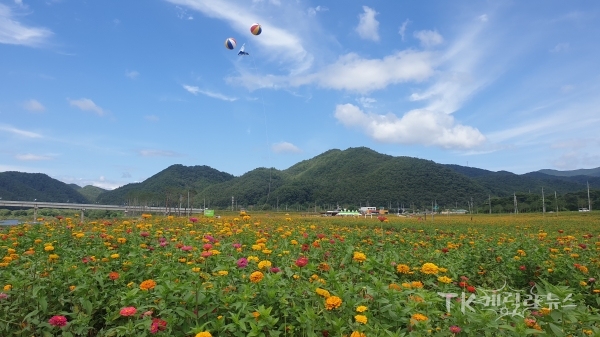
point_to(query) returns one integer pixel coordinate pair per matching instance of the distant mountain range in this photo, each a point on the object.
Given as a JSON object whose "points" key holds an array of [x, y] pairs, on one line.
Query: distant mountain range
{"points": [[352, 177]]}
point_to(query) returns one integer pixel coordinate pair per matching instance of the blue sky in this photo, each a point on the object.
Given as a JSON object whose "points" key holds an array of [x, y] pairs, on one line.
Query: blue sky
{"points": [[107, 93]]}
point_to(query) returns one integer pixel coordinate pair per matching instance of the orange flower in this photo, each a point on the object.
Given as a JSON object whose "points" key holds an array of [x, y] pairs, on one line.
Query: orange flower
{"points": [[113, 275], [256, 277], [148, 284], [333, 302]]}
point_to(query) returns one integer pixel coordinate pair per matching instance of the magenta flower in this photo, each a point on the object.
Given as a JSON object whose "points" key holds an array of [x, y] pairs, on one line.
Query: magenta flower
{"points": [[455, 329], [194, 220], [59, 321], [206, 254], [186, 248], [128, 311], [237, 245], [144, 234], [207, 246], [275, 270], [242, 262]]}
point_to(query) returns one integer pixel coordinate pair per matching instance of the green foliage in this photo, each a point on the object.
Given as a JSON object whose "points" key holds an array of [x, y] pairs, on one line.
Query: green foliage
{"points": [[29, 186]]}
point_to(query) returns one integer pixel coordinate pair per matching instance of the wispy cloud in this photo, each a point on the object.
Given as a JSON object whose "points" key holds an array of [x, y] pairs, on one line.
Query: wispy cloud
{"points": [[414, 127], [32, 157], [429, 38], [157, 153], [195, 90], [132, 74], [366, 102], [402, 30], [561, 47], [19, 132], [285, 147], [87, 104], [151, 118], [368, 26], [283, 45], [14, 32], [34, 105], [312, 11]]}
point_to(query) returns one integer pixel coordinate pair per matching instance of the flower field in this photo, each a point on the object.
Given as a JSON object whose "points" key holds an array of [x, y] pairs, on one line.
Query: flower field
{"points": [[261, 275]]}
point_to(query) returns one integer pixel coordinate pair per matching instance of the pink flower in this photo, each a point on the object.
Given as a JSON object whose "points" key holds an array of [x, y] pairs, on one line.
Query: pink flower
{"points": [[59, 321], [302, 261], [186, 248], [242, 262], [144, 234], [207, 246], [209, 238], [275, 270], [163, 243], [237, 245], [455, 329], [157, 325], [206, 254], [194, 220], [128, 311], [3, 296]]}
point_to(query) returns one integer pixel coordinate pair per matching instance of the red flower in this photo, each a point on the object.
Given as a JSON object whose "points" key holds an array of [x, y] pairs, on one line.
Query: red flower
{"points": [[302, 261], [445, 250], [381, 218], [305, 247], [157, 325], [59, 321], [471, 289], [113, 275], [463, 284], [128, 311], [522, 267]]}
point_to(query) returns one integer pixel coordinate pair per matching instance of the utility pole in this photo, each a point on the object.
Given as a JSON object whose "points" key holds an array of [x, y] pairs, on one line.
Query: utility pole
{"points": [[515, 202], [543, 202], [589, 200], [232, 204]]}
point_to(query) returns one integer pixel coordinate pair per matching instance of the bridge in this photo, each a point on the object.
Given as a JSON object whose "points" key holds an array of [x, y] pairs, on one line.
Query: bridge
{"points": [[83, 207]]}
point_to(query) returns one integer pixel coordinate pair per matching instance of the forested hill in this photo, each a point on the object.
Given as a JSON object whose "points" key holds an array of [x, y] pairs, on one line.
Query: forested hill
{"points": [[349, 178], [169, 184], [30, 186]]}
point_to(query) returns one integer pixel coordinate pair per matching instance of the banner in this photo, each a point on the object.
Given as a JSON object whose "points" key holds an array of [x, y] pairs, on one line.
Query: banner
{"points": [[209, 212]]}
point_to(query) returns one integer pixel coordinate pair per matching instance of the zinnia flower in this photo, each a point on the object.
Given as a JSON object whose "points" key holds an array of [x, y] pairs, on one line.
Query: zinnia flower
{"points": [[359, 257], [419, 317], [455, 329], [403, 269], [362, 319], [113, 275], [333, 302], [147, 285], [429, 268], [242, 262], [361, 308], [357, 334], [128, 311], [256, 277], [302, 261], [59, 321], [157, 325], [203, 334]]}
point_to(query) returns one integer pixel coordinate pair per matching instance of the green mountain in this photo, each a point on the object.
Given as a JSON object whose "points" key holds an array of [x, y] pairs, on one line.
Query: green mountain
{"points": [[170, 184], [30, 186], [595, 172], [90, 192]]}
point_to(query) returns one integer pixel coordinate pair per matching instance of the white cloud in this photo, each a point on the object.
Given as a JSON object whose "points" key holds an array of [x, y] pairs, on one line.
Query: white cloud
{"points": [[132, 74], [87, 104], [19, 132], [415, 127], [366, 102], [13, 32], [195, 90], [312, 11], [560, 48], [368, 26], [353, 73], [285, 147], [402, 30], [483, 18], [20, 3], [429, 38], [567, 88], [151, 118], [280, 44], [157, 153], [32, 157], [33, 105]]}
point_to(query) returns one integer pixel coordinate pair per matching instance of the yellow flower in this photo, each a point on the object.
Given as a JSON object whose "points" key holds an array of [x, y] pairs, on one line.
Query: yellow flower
{"points": [[7, 287], [264, 264], [429, 268], [53, 257], [196, 270], [403, 269], [256, 277], [49, 248], [121, 240], [362, 319], [222, 272], [359, 257], [322, 292], [357, 334], [415, 284], [72, 288], [333, 302], [114, 256], [203, 334], [444, 279], [419, 317], [361, 308]]}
